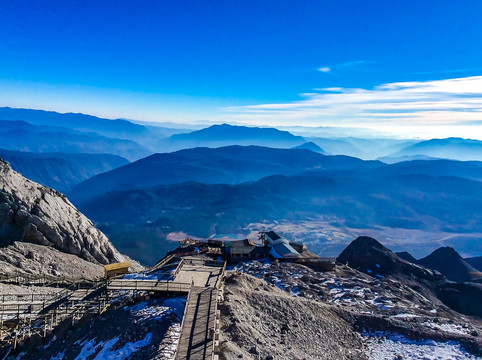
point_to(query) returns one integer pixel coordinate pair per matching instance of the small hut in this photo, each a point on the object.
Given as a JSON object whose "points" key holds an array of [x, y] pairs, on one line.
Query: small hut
{"points": [[112, 270]]}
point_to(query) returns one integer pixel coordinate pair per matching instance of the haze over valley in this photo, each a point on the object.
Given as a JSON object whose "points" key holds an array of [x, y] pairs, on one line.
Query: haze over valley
{"points": [[230, 181]]}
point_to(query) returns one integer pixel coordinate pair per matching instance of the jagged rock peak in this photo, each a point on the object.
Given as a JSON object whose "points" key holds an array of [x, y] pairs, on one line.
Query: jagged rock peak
{"points": [[30, 212]]}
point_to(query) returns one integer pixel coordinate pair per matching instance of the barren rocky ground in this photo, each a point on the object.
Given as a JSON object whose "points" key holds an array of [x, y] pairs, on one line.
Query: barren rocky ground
{"points": [[369, 305], [260, 321]]}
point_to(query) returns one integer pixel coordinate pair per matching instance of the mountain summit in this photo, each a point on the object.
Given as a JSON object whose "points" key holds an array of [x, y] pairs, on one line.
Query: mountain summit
{"points": [[225, 134]]}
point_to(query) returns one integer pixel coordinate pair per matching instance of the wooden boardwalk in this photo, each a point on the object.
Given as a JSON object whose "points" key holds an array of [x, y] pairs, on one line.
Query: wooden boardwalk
{"points": [[196, 341], [23, 315]]}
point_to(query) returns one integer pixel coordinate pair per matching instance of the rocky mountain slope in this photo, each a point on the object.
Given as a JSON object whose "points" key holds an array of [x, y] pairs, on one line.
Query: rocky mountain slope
{"points": [[397, 316], [370, 256], [278, 310], [40, 223], [261, 321], [367, 255]]}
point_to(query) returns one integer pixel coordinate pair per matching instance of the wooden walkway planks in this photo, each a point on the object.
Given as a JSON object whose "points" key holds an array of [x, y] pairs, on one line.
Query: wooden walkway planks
{"points": [[195, 341]]}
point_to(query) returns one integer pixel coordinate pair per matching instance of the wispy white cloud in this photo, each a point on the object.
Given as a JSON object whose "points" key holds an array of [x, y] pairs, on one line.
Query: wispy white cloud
{"points": [[324, 69], [441, 102], [348, 65]]}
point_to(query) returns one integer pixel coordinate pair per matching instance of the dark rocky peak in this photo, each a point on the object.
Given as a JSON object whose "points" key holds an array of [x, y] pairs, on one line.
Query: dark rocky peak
{"points": [[369, 256], [451, 264]]}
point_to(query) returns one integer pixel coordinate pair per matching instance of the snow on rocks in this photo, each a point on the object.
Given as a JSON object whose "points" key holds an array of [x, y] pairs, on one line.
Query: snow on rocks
{"points": [[157, 311], [383, 346]]}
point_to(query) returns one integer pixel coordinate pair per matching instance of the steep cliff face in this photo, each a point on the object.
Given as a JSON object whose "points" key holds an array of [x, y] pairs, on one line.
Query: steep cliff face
{"points": [[32, 213]]}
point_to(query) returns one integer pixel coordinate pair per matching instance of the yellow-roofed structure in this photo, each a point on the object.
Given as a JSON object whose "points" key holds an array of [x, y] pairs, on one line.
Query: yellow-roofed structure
{"points": [[116, 269]]}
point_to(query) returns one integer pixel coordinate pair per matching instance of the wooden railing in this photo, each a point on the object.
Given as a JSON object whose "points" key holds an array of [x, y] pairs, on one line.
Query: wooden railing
{"points": [[149, 285], [44, 280], [176, 352]]}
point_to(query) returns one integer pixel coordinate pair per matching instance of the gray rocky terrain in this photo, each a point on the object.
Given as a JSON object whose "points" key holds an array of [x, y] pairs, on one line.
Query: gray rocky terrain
{"points": [[41, 232], [371, 304], [260, 321]]}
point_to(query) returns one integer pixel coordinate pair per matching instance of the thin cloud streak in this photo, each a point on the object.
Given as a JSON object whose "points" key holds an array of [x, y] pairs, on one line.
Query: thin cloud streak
{"points": [[348, 65], [440, 102]]}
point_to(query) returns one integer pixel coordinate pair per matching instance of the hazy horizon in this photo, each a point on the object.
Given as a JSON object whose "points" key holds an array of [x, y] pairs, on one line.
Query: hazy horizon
{"points": [[382, 66]]}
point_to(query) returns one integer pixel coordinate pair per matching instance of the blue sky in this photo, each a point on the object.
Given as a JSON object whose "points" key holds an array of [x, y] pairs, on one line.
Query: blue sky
{"points": [[257, 62]]}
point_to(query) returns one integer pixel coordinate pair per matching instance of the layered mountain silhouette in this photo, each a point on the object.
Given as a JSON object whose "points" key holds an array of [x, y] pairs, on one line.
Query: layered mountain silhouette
{"points": [[122, 129], [364, 148], [310, 146], [225, 135], [449, 148], [73, 123], [228, 165], [60, 171], [22, 136], [362, 201], [463, 169], [447, 261]]}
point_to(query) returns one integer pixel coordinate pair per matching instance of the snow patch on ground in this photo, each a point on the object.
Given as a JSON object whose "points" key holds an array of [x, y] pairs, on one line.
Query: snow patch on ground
{"points": [[106, 353], [450, 328], [382, 346], [157, 311]]}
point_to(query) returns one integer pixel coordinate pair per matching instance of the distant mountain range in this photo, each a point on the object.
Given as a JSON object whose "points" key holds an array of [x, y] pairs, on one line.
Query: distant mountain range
{"points": [[225, 135], [449, 148], [364, 148], [92, 126], [310, 146], [226, 165], [464, 169], [361, 199], [22, 136], [60, 171], [121, 129]]}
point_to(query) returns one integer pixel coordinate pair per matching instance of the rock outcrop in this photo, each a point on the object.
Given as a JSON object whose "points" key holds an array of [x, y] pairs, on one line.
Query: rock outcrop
{"points": [[451, 265], [32, 213], [371, 257]]}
